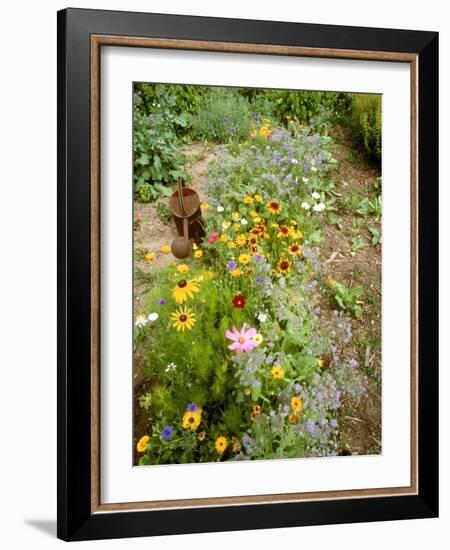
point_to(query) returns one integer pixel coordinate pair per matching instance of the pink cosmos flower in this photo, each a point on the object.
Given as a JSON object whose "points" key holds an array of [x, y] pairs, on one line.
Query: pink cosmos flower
{"points": [[242, 339], [213, 237]]}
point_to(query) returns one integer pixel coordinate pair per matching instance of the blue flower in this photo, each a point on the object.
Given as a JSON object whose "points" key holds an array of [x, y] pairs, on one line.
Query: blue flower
{"points": [[258, 258], [192, 407], [161, 301], [231, 265], [259, 280], [166, 433]]}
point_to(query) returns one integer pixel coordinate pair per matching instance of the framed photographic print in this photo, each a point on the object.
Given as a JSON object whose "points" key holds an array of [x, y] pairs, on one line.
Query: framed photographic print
{"points": [[247, 274]]}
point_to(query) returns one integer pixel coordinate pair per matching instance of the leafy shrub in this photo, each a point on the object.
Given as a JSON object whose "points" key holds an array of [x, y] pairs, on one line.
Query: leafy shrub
{"points": [[364, 121], [315, 109], [157, 163], [223, 114]]}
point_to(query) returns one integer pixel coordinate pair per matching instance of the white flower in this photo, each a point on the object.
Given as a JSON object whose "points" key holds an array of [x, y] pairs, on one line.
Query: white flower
{"points": [[244, 221], [220, 208], [319, 207], [305, 180], [294, 161], [315, 195], [153, 317], [313, 169], [171, 367], [305, 206], [141, 320], [262, 317]]}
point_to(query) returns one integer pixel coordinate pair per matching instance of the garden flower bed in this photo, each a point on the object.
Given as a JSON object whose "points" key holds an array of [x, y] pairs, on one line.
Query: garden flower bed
{"points": [[247, 347]]}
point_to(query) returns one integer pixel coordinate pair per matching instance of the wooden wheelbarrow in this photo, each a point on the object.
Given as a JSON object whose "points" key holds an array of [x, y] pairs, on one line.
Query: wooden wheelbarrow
{"points": [[184, 203]]}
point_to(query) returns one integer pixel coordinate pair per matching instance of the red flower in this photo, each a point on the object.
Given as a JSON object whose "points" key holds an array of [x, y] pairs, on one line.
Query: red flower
{"points": [[238, 301], [213, 237]]}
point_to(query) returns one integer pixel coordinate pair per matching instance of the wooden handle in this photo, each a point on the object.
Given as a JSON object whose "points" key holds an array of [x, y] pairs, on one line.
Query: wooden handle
{"points": [[181, 196], [185, 228]]}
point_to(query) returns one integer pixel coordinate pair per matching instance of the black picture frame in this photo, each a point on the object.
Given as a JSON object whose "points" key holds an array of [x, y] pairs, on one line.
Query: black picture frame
{"points": [[76, 521]]}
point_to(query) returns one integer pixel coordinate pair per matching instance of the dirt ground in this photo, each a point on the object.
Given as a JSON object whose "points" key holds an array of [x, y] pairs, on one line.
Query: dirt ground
{"points": [[361, 421]]}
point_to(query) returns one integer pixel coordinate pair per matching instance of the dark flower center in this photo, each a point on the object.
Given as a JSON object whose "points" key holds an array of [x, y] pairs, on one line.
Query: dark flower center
{"points": [[284, 264], [182, 283], [274, 205], [183, 318], [191, 420]]}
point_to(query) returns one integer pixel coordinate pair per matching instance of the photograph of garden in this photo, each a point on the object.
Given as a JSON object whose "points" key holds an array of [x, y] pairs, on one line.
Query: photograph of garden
{"points": [[257, 274]]}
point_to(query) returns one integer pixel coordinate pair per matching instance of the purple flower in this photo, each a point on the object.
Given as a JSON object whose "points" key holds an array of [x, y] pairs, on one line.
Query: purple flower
{"points": [[311, 428], [333, 423], [166, 433], [258, 258], [192, 407], [231, 265], [259, 280], [277, 158], [161, 301]]}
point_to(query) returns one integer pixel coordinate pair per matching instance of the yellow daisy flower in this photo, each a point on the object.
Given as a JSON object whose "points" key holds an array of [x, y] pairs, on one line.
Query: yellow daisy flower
{"points": [[253, 214], [258, 198], [330, 282], [241, 240], [223, 238], [191, 420], [184, 290], [142, 444], [198, 253], [165, 249], [235, 216], [293, 418], [248, 200], [183, 268], [204, 206], [183, 319], [296, 404], [236, 273], [244, 259], [231, 245], [236, 227], [226, 224], [221, 444], [277, 372], [149, 257]]}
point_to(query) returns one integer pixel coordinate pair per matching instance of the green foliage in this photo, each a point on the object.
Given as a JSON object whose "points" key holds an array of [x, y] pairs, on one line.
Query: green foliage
{"points": [[347, 298], [223, 115], [157, 163], [364, 120], [315, 109]]}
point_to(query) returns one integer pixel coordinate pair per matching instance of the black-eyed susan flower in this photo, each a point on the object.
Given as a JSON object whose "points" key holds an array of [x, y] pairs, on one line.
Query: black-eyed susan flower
{"points": [[221, 444], [283, 232], [296, 404], [293, 418], [184, 290], [191, 420], [183, 319], [274, 207], [284, 265], [277, 372], [142, 444], [295, 249]]}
